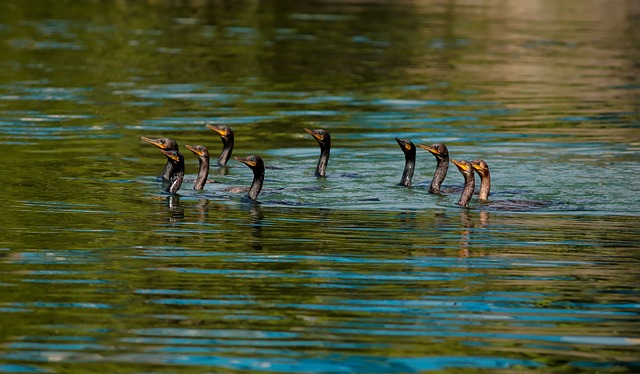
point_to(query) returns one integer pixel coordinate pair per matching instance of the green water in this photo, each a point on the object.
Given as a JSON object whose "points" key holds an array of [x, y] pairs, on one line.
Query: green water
{"points": [[100, 270]]}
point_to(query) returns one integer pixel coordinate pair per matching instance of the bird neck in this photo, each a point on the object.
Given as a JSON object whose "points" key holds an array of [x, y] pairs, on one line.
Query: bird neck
{"points": [[166, 172], [485, 186], [177, 175], [467, 192], [409, 168], [439, 174], [227, 149], [203, 173], [256, 185], [321, 169]]}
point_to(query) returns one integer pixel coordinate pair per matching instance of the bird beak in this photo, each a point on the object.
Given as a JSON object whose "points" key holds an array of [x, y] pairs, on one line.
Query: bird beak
{"points": [[246, 161], [218, 129], [405, 144], [155, 142], [429, 148], [460, 165], [313, 133], [194, 150], [476, 167], [171, 155]]}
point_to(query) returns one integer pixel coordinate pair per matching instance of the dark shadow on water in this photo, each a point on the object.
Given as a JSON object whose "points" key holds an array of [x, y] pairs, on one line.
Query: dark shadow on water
{"points": [[513, 205]]}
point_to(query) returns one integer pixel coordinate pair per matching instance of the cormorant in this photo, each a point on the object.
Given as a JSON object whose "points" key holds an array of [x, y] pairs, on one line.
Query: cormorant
{"points": [[177, 170], [203, 158], [409, 150], [469, 181], [324, 141], [226, 135], [256, 164], [441, 154], [166, 144], [482, 169]]}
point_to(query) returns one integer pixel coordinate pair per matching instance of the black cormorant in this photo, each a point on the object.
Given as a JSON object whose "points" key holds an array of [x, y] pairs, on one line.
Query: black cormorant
{"points": [[203, 158], [409, 150], [469, 181], [441, 154], [226, 135], [482, 169], [166, 144], [324, 141], [256, 164], [177, 170]]}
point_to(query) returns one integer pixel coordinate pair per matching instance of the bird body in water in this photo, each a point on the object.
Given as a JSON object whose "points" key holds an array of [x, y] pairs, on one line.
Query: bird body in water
{"points": [[203, 158], [409, 150], [226, 135], [324, 141], [469, 181], [482, 169], [256, 164], [165, 144], [177, 170], [441, 154]]}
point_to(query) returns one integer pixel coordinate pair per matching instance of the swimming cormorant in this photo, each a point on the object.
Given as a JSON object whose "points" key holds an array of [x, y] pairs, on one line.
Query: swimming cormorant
{"points": [[469, 181], [166, 144], [482, 169], [441, 154], [409, 150], [203, 158], [177, 170], [324, 141], [256, 164], [226, 135]]}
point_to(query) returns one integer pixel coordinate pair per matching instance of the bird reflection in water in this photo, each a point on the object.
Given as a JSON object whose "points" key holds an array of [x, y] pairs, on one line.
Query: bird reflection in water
{"points": [[202, 207], [200, 212], [468, 227], [176, 211], [220, 171], [256, 222]]}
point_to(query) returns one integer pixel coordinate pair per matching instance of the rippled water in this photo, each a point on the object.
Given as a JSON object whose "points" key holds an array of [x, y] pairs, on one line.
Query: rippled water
{"points": [[101, 270]]}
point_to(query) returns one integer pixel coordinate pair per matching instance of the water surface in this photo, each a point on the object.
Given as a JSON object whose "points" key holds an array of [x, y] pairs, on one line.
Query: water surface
{"points": [[103, 271]]}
